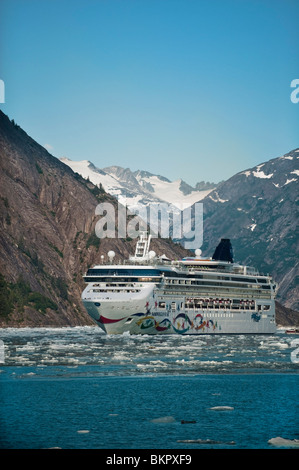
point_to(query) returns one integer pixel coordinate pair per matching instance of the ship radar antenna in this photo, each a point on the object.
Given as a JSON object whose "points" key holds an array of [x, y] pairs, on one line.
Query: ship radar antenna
{"points": [[111, 255]]}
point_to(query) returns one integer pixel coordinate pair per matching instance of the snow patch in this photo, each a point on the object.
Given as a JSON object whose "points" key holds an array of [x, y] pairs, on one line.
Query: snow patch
{"points": [[290, 181], [163, 419], [261, 174], [218, 198]]}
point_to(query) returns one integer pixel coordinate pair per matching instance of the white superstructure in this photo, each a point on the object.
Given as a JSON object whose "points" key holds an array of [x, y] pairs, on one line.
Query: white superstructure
{"points": [[152, 295]]}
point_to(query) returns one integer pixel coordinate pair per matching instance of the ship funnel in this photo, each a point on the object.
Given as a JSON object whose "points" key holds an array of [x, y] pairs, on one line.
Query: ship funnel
{"points": [[224, 251]]}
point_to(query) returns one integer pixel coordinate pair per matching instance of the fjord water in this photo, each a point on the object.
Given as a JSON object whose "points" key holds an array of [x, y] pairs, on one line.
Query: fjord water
{"points": [[77, 388]]}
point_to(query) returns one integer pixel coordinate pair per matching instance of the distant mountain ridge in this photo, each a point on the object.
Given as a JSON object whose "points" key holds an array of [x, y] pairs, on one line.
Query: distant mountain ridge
{"points": [[139, 187]]}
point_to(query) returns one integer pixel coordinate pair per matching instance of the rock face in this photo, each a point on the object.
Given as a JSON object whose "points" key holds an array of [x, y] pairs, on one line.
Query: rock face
{"points": [[47, 235]]}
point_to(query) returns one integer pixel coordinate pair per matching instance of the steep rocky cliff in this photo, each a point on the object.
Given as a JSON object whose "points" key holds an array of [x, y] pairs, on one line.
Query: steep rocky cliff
{"points": [[47, 236]]}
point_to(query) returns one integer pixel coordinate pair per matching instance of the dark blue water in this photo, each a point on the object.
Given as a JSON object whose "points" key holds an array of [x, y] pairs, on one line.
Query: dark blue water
{"points": [[78, 389]]}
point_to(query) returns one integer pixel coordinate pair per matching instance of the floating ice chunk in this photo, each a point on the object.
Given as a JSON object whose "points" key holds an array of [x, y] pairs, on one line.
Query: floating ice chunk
{"points": [[279, 345], [222, 408], [205, 441], [164, 419], [281, 442]]}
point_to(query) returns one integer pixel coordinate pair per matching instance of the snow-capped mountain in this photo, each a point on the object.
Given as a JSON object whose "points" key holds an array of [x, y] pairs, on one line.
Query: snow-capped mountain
{"points": [[139, 187]]}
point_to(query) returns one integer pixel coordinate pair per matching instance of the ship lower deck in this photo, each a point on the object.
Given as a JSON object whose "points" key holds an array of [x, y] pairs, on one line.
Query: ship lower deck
{"points": [[119, 317]]}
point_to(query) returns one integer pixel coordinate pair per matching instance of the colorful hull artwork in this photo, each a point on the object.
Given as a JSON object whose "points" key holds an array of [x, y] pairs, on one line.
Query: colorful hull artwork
{"points": [[181, 324]]}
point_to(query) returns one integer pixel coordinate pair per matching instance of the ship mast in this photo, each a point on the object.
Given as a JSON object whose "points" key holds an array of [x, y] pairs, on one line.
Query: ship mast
{"points": [[142, 252]]}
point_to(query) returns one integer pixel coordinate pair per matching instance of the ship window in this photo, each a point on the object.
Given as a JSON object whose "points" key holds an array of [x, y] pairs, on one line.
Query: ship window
{"points": [[123, 272]]}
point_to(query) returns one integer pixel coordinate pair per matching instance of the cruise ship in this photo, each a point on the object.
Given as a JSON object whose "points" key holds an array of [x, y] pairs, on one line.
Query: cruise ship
{"points": [[195, 295]]}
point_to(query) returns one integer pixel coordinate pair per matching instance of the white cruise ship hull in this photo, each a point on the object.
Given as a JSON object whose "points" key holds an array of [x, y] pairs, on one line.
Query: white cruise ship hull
{"points": [[142, 315], [193, 296]]}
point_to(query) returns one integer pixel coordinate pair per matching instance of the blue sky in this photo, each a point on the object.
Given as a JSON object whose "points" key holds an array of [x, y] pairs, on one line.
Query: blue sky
{"points": [[191, 89]]}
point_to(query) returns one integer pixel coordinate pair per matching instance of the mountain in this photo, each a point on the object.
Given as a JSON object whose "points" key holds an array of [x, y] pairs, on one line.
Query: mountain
{"points": [[47, 234], [258, 210], [139, 187]]}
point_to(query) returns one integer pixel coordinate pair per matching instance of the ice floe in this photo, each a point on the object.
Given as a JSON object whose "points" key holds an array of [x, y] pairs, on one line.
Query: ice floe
{"points": [[261, 174], [282, 442], [222, 408], [205, 441], [143, 355], [163, 419]]}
